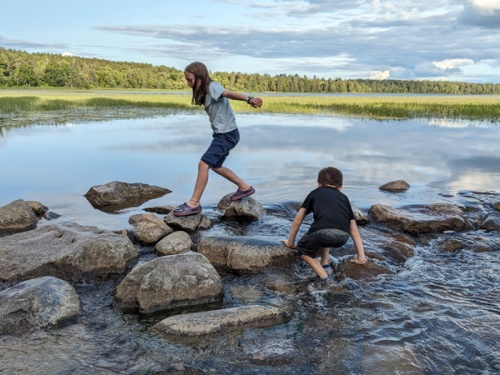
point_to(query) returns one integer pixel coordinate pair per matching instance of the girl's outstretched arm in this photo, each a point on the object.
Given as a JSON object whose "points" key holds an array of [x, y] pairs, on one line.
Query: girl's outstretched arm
{"points": [[254, 101]]}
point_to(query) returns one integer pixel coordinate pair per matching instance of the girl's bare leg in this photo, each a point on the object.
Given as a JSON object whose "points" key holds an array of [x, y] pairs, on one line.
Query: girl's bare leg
{"points": [[231, 176], [201, 183]]}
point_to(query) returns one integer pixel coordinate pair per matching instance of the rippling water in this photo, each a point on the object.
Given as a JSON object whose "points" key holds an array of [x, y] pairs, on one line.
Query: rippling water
{"points": [[439, 314]]}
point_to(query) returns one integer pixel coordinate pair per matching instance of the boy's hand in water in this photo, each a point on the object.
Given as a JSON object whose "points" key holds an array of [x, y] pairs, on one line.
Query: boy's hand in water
{"points": [[291, 246], [358, 261]]}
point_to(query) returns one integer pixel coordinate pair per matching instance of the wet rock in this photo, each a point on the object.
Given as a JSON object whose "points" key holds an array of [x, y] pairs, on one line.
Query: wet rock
{"points": [[68, 251], [149, 228], [195, 325], [246, 209], [165, 283], [38, 303], [190, 223], [162, 210], [387, 245], [451, 245], [174, 243], [359, 216], [356, 271], [491, 223], [16, 217], [395, 186], [181, 369], [414, 220], [247, 254], [496, 205], [116, 195], [38, 208], [272, 352]]}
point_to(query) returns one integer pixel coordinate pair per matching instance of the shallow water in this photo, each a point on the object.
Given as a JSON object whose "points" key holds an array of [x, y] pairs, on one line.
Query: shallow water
{"points": [[439, 314]]}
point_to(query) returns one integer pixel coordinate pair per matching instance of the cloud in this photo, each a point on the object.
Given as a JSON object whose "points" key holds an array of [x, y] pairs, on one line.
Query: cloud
{"points": [[380, 75], [482, 14]]}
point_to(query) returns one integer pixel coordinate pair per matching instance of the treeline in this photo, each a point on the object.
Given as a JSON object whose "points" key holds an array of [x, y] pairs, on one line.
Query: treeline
{"points": [[22, 69]]}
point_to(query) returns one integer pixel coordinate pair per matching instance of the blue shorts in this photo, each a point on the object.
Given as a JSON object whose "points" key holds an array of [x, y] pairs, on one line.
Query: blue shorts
{"points": [[219, 149]]}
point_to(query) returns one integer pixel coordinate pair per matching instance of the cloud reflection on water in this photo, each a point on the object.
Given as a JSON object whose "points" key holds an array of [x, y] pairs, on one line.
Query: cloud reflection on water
{"points": [[279, 155]]}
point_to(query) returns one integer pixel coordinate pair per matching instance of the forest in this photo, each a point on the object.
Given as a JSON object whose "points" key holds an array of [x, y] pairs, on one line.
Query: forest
{"points": [[23, 69]]}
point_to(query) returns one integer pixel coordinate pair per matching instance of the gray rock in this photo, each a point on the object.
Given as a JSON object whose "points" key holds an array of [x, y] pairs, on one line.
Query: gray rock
{"points": [[116, 195], [149, 228], [165, 283], [38, 208], [434, 218], [174, 243], [38, 303], [246, 209], [359, 216], [68, 251], [248, 254], [190, 223], [397, 186], [491, 223], [496, 205], [196, 325], [16, 217]]}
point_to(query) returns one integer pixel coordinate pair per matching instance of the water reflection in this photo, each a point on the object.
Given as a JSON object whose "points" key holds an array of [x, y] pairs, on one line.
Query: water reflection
{"points": [[279, 154]]}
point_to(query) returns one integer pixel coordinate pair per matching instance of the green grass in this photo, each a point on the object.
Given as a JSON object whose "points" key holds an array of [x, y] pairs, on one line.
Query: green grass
{"points": [[24, 102]]}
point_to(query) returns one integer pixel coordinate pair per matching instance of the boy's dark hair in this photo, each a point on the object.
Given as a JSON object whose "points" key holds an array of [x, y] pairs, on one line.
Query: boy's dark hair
{"points": [[331, 176], [200, 72]]}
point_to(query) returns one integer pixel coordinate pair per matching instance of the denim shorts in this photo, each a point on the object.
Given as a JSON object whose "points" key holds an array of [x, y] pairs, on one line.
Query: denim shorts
{"points": [[219, 149], [311, 244]]}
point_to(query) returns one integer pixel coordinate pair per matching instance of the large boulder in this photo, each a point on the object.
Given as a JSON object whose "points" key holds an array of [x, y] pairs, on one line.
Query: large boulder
{"points": [[17, 216], [149, 228], [189, 327], [38, 303], [435, 218], [165, 283], [246, 209], [116, 195], [247, 254], [68, 251]]}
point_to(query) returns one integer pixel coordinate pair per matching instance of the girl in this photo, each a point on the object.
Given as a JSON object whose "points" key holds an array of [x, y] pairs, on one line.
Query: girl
{"points": [[215, 99]]}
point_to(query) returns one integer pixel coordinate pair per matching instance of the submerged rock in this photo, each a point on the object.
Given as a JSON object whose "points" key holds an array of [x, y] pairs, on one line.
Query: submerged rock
{"points": [[38, 303], [197, 325], [68, 251], [116, 195], [168, 282]]}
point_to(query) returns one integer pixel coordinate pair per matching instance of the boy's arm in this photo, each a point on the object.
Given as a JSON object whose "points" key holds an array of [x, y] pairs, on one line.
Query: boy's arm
{"points": [[296, 223], [254, 101], [358, 243]]}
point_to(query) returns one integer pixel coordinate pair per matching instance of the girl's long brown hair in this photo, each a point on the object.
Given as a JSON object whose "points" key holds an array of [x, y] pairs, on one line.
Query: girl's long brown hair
{"points": [[200, 72]]}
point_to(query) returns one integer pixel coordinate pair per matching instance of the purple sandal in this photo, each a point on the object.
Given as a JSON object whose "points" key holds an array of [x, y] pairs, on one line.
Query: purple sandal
{"points": [[242, 194], [186, 210]]}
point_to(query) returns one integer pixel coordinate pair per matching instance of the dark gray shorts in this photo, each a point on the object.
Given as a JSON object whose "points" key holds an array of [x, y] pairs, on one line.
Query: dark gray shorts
{"points": [[311, 244], [219, 149]]}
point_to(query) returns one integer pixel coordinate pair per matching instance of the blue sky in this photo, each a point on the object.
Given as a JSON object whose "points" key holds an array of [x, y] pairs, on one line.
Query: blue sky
{"points": [[457, 40]]}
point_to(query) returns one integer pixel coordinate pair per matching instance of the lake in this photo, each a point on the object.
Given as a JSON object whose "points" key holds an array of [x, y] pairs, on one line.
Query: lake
{"points": [[439, 314]]}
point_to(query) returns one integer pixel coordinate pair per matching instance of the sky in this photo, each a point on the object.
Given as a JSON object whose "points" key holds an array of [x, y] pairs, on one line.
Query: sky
{"points": [[453, 40]]}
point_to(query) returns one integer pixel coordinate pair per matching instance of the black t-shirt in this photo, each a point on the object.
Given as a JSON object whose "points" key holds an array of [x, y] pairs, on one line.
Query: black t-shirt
{"points": [[331, 209]]}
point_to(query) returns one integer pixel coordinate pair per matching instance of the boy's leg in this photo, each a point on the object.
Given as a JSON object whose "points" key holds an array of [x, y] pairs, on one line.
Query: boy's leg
{"points": [[201, 183], [315, 265], [325, 256]]}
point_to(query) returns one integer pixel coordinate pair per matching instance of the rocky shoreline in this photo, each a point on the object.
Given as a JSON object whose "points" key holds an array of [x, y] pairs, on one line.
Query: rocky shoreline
{"points": [[39, 263]]}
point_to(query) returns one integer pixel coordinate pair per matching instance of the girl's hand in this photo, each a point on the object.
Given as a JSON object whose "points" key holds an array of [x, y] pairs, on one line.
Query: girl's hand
{"points": [[255, 102], [291, 246]]}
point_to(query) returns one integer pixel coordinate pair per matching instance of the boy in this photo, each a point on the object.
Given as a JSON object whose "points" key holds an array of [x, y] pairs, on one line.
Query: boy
{"points": [[333, 222]]}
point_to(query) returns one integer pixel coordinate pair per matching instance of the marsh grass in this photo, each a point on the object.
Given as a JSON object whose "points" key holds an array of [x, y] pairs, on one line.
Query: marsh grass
{"points": [[24, 102]]}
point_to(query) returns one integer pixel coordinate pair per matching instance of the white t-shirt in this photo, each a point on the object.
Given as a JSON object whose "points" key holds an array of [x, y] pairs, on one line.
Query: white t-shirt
{"points": [[220, 113]]}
